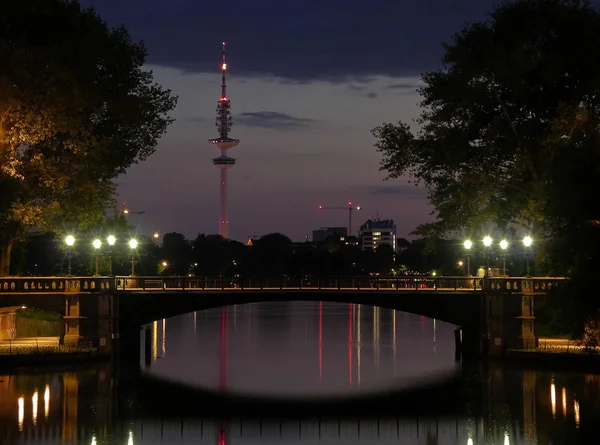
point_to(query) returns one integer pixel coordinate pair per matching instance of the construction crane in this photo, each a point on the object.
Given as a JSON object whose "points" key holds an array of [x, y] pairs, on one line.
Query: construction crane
{"points": [[126, 211], [349, 209]]}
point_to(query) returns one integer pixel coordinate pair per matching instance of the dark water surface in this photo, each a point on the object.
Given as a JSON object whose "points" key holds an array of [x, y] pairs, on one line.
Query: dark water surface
{"points": [[296, 350]]}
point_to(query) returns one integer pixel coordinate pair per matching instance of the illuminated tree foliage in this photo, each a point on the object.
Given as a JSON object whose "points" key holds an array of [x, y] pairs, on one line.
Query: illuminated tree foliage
{"points": [[76, 110], [506, 121]]}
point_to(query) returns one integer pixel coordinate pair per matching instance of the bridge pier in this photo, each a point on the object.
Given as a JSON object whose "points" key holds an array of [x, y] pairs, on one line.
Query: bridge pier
{"points": [[510, 322]]}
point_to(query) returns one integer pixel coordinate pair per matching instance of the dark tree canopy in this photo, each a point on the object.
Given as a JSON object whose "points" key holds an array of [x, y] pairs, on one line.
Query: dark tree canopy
{"points": [[502, 117], [76, 110]]}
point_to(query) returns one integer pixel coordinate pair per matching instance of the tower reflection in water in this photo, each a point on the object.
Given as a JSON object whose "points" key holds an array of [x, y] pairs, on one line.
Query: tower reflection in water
{"points": [[80, 407]]}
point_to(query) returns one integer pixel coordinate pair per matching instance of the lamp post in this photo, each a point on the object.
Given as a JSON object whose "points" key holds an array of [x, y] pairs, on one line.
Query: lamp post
{"points": [[468, 244], [504, 246], [97, 244], [111, 240], [461, 266], [133, 245], [70, 242], [487, 242], [527, 242]]}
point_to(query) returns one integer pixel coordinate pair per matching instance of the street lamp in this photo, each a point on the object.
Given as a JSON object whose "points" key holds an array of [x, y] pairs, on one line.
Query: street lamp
{"points": [[487, 242], [133, 245], [70, 241], [461, 266], [527, 242], [111, 240], [504, 246], [468, 244], [97, 244]]}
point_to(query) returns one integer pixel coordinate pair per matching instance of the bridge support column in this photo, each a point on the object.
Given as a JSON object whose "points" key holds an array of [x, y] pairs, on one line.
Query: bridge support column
{"points": [[72, 319], [510, 322], [471, 344], [91, 318]]}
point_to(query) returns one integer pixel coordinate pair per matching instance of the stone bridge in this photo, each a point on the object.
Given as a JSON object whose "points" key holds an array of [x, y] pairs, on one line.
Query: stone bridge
{"points": [[492, 312]]}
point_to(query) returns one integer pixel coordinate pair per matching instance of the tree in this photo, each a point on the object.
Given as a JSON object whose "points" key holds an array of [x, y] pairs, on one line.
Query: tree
{"points": [[76, 110], [176, 252], [499, 115], [273, 253]]}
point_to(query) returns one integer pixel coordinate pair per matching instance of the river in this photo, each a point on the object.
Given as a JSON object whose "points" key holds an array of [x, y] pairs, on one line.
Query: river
{"points": [[295, 351]]}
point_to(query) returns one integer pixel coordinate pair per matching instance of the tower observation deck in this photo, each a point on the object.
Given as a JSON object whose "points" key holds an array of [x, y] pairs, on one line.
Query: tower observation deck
{"points": [[224, 143]]}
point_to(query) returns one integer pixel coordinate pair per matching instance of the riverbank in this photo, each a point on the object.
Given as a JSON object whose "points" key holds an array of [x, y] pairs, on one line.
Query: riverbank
{"points": [[553, 361], [11, 362], [46, 352]]}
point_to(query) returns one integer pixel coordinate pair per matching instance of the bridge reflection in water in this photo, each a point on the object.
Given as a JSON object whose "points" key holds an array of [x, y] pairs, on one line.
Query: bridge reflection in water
{"points": [[93, 407]]}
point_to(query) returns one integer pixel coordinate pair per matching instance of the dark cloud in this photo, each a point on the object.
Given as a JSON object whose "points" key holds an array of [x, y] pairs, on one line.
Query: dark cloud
{"points": [[405, 190], [371, 95], [404, 86], [314, 39], [273, 120], [358, 88]]}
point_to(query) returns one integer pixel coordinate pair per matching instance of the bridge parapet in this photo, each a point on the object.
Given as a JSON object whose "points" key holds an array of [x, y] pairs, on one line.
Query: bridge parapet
{"points": [[383, 283], [525, 285], [55, 284]]}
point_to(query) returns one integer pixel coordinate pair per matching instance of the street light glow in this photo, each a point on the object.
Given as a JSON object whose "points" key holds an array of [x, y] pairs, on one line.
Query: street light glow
{"points": [[468, 244], [97, 244], [133, 243], [487, 241], [156, 235], [111, 240], [164, 264], [504, 244], [528, 241], [70, 240]]}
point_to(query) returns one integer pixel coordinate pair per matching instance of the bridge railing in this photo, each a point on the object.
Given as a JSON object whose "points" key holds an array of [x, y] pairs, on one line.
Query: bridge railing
{"points": [[414, 283], [55, 284]]}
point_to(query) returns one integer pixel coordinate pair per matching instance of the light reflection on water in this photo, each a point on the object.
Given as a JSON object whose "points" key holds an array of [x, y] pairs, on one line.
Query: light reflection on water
{"points": [[303, 348], [87, 406]]}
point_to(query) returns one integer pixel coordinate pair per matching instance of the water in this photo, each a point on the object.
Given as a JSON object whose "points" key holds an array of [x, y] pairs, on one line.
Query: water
{"points": [[294, 350]]}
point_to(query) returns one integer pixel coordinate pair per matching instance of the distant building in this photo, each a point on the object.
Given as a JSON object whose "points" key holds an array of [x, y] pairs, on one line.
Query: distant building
{"points": [[377, 232], [326, 233]]}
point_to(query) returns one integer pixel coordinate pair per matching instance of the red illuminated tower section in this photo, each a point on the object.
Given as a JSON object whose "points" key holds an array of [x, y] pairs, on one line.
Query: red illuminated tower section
{"points": [[224, 143]]}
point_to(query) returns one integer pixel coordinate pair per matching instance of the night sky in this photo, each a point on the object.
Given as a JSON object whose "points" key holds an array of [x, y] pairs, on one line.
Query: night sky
{"points": [[307, 82]]}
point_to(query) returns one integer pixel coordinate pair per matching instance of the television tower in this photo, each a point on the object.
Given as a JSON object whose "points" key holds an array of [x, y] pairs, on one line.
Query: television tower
{"points": [[224, 143]]}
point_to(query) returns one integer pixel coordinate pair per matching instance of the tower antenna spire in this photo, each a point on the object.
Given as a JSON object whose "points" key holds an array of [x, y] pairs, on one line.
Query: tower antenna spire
{"points": [[223, 73], [224, 143]]}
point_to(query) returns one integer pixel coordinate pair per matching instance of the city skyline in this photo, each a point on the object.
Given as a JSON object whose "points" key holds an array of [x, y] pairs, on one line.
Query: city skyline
{"points": [[308, 87]]}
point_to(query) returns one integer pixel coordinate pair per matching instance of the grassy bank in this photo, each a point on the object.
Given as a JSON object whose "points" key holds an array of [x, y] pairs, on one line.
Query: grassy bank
{"points": [[37, 314]]}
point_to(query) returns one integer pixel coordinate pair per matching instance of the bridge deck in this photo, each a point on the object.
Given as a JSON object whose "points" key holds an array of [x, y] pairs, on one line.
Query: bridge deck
{"points": [[289, 288]]}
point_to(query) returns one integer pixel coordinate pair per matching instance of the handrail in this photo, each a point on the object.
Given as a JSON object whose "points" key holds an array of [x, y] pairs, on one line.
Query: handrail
{"points": [[409, 282], [199, 283]]}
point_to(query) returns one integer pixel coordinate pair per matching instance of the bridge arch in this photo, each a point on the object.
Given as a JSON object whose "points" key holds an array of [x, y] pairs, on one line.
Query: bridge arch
{"points": [[140, 308]]}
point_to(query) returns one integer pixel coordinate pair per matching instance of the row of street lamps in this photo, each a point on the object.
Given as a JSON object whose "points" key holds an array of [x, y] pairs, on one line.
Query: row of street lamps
{"points": [[487, 242], [97, 244]]}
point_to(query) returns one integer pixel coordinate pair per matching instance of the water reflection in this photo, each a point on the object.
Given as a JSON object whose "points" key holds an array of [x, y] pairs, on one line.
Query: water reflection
{"points": [[83, 407], [81, 413], [98, 405], [300, 349]]}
